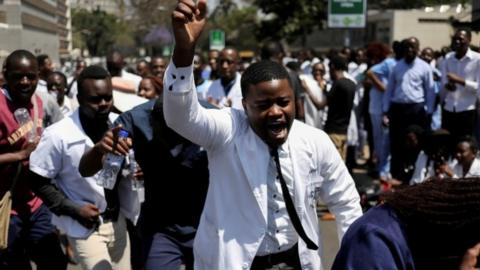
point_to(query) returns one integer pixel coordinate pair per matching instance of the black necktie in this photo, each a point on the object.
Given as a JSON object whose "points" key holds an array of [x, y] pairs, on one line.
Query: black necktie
{"points": [[292, 213]]}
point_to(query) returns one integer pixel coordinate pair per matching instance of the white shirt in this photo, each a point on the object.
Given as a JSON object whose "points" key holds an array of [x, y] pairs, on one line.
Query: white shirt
{"points": [[41, 87], [355, 70], [217, 92], [67, 107], [313, 116], [57, 157], [281, 234], [464, 97], [474, 170], [73, 88], [423, 171], [203, 88], [132, 77]]}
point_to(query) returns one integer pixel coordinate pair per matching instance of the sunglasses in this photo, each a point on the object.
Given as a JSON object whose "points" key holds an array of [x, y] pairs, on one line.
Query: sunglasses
{"points": [[98, 99]]}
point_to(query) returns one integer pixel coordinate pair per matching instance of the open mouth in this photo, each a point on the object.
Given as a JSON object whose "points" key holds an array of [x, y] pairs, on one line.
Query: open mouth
{"points": [[277, 129]]}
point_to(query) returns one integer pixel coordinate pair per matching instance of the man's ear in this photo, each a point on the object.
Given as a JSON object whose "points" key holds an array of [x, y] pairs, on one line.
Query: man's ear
{"points": [[244, 104]]}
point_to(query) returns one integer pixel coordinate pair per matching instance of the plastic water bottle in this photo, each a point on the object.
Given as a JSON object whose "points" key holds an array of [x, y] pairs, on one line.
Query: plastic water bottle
{"points": [[111, 166], [131, 169], [23, 118]]}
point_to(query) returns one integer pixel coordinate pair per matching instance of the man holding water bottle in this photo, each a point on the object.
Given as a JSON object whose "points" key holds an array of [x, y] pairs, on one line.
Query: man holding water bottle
{"points": [[88, 213], [30, 230]]}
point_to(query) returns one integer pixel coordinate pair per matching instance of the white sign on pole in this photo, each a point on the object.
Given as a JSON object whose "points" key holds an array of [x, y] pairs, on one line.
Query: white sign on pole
{"points": [[347, 13]]}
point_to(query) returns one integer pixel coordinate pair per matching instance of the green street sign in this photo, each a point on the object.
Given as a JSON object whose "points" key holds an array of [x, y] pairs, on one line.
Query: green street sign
{"points": [[217, 39], [347, 13]]}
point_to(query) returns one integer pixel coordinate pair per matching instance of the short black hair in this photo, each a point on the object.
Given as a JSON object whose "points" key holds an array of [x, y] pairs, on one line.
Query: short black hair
{"points": [[143, 61], [470, 140], [466, 30], [16, 55], [41, 59], [262, 71], [91, 72], [271, 49], [338, 63], [293, 66], [64, 78]]}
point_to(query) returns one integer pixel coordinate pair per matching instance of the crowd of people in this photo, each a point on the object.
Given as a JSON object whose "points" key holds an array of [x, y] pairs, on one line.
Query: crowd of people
{"points": [[236, 156]]}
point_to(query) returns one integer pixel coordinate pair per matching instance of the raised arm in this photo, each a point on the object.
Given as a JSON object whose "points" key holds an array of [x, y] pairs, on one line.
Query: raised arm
{"points": [[320, 103], [182, 111], [188, 21], [376, 81]]}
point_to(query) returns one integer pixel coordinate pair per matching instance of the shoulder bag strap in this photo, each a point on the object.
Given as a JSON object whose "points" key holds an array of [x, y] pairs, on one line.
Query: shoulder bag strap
{"points": [[15, 178]]}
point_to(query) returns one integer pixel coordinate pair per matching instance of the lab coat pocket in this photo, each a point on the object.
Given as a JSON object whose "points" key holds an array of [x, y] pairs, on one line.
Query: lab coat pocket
{"points": [[314, 188]]}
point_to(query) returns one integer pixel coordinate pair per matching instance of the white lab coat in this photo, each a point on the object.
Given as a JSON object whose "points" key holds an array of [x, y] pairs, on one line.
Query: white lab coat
{"points": [[216, 92], [233, 222]]}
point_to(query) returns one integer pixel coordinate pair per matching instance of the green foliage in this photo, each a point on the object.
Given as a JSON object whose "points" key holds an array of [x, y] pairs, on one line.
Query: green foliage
{"points": [[238, 24], [290, 19], [99, 31]]}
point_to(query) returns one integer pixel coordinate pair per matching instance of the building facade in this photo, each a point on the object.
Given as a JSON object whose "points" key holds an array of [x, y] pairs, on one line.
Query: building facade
{"points": [[431, 25], [40, 26]]}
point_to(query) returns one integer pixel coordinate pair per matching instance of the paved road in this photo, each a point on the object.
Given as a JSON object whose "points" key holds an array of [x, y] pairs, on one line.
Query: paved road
{"points": [[330, 245], [328, 229]]}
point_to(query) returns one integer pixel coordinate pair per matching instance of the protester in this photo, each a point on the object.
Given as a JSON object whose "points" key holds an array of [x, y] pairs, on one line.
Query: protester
{"points": [[265, 229], [427, 226], [378, 74], [45, 67], [158, 66], [226, 90], [468, 163], [167, 241], [150, 87], [122, 80], [340, 104], [72, 81], [408, 100], [56, 85], [460, 71], [88, 214], [143, 68], [31, 236]]}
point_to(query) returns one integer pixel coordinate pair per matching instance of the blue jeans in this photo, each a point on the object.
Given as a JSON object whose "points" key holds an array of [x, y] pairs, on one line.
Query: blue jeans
{"points": [[381, 142], [33, 237]]}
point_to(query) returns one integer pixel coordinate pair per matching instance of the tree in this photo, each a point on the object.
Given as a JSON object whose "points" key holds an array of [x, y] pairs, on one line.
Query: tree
{"points": [[290, 19], [295, 19], [98, 31], [238, 24]]}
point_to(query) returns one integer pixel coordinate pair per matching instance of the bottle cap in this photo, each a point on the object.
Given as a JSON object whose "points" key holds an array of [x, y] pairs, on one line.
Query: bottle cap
{"points": [[123, 134]]}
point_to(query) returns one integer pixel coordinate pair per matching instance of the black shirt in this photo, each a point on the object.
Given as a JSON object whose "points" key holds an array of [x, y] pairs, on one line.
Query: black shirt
{"points": [[340, 104]]}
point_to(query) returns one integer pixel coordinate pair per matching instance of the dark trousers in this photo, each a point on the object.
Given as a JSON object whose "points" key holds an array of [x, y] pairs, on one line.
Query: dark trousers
{"points": [[459, 123], [401, 117], [33, 237], [167, 252], [286, 260]]}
